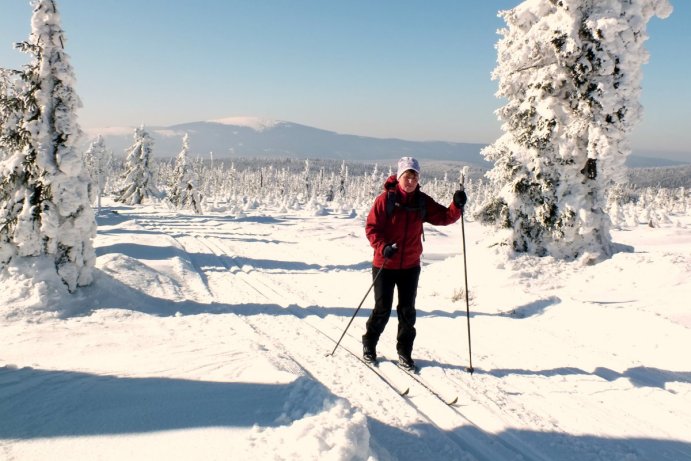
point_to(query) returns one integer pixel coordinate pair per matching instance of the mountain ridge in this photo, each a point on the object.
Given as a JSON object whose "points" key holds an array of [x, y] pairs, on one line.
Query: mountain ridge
{"points": [[253, 137]]}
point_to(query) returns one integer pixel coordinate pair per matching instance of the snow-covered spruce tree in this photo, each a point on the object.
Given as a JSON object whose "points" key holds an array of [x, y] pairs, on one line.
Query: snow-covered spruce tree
{"points": [[139, 180], [306, 178], [184, 193], [97, 160], [570, 71], [44, 202], [342, 180]]}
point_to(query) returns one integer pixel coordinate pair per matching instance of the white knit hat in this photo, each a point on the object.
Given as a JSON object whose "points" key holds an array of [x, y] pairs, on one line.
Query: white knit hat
{"points": [[405, 164]]}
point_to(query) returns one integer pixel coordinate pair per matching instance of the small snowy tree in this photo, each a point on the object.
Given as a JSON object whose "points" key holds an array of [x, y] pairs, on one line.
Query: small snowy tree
{"points": [[139, 180], [97, 160], [184, 193], [571, 72], [44, 203], [306, 179], [342, 180]]}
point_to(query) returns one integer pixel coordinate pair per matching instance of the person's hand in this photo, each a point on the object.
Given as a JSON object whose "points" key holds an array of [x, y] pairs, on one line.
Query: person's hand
{"points": [[389, 250], [459, 198]]}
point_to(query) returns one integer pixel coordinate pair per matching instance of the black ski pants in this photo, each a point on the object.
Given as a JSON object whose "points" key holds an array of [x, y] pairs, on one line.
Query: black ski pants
{"points": [[406, 281]]}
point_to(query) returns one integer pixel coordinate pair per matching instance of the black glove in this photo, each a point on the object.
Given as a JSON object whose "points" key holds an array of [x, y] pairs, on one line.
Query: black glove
{"points": [[389, 250], [459, 198]]}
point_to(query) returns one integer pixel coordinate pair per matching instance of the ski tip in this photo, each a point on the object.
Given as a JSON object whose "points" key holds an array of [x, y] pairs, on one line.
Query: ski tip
{"points": [[453, 402], [405, 392]]}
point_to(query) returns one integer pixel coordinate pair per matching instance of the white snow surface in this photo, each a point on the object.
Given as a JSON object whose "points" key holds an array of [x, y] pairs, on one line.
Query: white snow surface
{"points": [[205, 337], [256, 123]]}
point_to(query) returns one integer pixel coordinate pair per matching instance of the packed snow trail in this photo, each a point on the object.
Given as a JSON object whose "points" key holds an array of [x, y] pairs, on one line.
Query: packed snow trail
{"points": [[481, 450], [299, 340]]}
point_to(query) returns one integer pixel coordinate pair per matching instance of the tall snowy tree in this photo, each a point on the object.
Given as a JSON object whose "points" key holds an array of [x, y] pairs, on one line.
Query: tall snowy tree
{"points": [[184, 193], [139, 180], [44, 203], [570, 71]]}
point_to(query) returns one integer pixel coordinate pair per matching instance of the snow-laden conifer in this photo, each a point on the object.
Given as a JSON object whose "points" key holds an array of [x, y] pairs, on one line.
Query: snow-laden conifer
{"points": [[184, 193], [342, 180], [44, 202], [139, 180], [307, 180], [570, 71], [97, 160]]}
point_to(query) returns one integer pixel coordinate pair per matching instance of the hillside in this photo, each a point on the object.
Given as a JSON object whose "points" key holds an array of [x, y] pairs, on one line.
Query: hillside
{"points": [[256, 138], [286, 139]]}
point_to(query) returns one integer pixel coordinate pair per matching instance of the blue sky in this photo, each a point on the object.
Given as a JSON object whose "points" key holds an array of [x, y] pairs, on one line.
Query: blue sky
{"points": [[409, 69]]}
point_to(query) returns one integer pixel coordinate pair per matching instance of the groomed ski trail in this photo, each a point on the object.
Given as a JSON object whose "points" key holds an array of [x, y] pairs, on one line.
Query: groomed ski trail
{"points": [[428, 410], [351, 380]]}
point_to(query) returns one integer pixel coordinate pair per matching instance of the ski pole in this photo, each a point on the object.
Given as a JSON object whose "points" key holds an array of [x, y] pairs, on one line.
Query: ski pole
{"points": [[465, 274], [360, 305]]}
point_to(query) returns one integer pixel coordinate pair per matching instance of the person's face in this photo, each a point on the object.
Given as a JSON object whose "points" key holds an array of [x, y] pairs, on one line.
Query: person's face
{"points": [[408, 181]]}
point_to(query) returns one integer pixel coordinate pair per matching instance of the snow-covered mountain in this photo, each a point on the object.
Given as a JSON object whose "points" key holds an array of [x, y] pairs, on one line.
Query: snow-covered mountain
{"points": [[256, 137], [252, 137]]}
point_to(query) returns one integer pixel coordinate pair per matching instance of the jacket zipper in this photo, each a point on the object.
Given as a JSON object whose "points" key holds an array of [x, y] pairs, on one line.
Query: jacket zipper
{"points": [[405, 237]]}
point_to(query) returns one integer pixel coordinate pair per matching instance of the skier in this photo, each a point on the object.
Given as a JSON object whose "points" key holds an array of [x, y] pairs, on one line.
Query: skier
{"points": [[394, 229]]}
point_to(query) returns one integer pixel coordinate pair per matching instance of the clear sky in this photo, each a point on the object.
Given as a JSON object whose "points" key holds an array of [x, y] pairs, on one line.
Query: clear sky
{"points": [[410, 69]]}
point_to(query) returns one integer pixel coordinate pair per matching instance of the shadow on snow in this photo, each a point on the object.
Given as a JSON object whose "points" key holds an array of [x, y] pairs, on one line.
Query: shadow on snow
{"points": [[638, 376], [39, 403], [210, 261], [109, 293]]}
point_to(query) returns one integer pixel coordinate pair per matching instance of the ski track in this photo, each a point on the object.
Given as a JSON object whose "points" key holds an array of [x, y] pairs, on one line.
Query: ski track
{"points": [[509, 447], [483, 402], [434, 443]]}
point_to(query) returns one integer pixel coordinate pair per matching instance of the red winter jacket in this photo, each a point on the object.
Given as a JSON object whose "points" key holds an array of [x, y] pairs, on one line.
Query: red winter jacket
{"points": [[404, 225]]}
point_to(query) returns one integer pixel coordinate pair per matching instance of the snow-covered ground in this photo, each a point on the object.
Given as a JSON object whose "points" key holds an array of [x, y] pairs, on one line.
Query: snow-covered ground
{"points": [[205, 337]]}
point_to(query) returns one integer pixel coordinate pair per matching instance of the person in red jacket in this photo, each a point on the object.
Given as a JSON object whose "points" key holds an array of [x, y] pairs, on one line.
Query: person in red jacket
{"points": [[394, 229]]}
